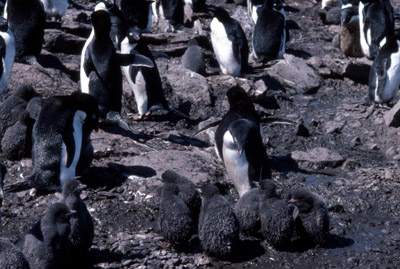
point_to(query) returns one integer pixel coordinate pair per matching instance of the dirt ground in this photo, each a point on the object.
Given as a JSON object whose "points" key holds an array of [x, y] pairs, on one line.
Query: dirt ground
{"points": [[362, 190]]}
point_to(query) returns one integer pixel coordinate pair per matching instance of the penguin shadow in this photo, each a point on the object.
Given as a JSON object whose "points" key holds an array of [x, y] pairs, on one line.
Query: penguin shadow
{"points": [[247, 250], [184, 140], [298, 53], [101, 177], [136, 170], [333, 242], [51, 61], [113, 128]]}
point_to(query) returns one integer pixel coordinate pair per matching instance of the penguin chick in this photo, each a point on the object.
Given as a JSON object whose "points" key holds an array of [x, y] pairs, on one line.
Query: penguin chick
{"points": [[349, 34], [277, 224], [13, 106], [187, 191], [174, 217], [11, 256], [17, 141], [311, 216], [193, 58], [218, 224], [34, 106], [247, 212], [82, 229], [46, 245]]}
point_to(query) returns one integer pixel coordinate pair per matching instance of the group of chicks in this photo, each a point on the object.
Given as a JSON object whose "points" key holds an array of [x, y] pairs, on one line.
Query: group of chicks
{"points": [[61, 237], [259, 213]]}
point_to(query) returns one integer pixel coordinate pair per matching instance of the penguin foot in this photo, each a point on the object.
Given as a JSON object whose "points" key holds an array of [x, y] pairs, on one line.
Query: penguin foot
{"points": [[163, 244], [141, 117]]}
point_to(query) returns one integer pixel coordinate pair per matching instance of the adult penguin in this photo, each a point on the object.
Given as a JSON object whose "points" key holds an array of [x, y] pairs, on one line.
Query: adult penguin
{"points": [[137, 13], [26, 19], [101, 65], [229, 43], [252, 8], [59, 136], [145, 82], [7, 53], [239, 143], [170, 10], [376, 22], [119, 26], [269, 36]]}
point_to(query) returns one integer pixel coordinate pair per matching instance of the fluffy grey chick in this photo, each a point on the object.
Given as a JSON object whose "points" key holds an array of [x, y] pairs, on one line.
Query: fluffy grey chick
{"points": [[247, 212], [174, 217], [277, 224], [193, 58], [34, 106], [311, 216], [82, 229], [46, 244], [218, 224], [17, 140], [187, 191], [11, 256]]}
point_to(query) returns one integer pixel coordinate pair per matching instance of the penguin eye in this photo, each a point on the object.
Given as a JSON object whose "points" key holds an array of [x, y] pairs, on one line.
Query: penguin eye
{"points": [[94, 116]]}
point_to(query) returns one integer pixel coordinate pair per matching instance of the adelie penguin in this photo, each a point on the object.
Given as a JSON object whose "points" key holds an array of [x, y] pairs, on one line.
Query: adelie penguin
{"points": [[55, 9], [60, 135], [229, 43], [252, 8], [26, 19], [101, 66], [277, 223], [145, 82], [7, 53], [170, 10], [311, 216], [218, 224], [46, 245], [174, 217], [269, 36], [82, 229], [384, 76], [376, 22], [238, 142]]}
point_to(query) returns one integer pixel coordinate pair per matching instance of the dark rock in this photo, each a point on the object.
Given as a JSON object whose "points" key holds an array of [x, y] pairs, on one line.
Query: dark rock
{"points": [[392, 117], [317, 158]]}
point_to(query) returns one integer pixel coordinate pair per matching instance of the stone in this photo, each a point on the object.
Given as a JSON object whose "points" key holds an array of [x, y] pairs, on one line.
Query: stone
{"points": [[58, 41], [392, 117], [293, 72], [317, 158], [334, 126]]}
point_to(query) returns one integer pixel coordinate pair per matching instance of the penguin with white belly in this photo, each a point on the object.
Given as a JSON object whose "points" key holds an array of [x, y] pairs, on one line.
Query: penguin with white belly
{"points": [[384, 76], [59, 135], [229, 43], [101, 65], [145, 82], [7, 53], [376, 23], [239, 143]]}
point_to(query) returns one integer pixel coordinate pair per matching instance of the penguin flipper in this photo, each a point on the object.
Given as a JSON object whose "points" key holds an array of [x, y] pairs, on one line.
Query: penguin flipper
{"points": [[34, 62], [69, 141], [208, 126], [134, 59], [88, 63]]}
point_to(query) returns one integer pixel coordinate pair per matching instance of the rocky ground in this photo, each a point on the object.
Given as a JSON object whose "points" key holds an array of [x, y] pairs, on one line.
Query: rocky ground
{"points": [[337, 147]]}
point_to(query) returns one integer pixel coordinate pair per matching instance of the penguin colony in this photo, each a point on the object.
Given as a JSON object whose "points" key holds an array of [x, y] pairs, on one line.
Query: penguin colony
{"points": [[55, 131]]}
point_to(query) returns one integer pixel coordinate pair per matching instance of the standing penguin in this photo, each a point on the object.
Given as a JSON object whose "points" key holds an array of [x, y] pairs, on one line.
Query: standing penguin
{"points": [[170, 10], [376, 22], [174, 218], [229, 43], [269, 36], [102, 66], [311, 216], [26, 19], [82, 229], [137, 14], [239, 143], [277, 224], [252, 8], [46, 245], [7, 53], [145, 82], [218, 224], [193, 58], [384, 76], [59, 133], [55, 8], [349, 34]]}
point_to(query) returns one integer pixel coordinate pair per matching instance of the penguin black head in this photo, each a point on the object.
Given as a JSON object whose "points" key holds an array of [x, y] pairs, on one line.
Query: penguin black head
{"points": [[274, 4], [170, 188], [26, 92], [108, 3], [72, 187], [209, 190], [134, 35], [237, 97], [88, 104], [220, 13], [3, 24], [303, 200], [267, 189], [101, 23], [241, 131]]}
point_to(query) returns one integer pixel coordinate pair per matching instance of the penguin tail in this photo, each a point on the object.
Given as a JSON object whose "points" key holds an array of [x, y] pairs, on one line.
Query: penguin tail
{"points": [[33, 62], [115, 117], [208, 126]]}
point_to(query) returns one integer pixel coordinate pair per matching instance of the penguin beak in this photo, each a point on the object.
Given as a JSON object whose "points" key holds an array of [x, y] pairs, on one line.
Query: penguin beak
{"points": [[81, 187], [71, 213]]}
